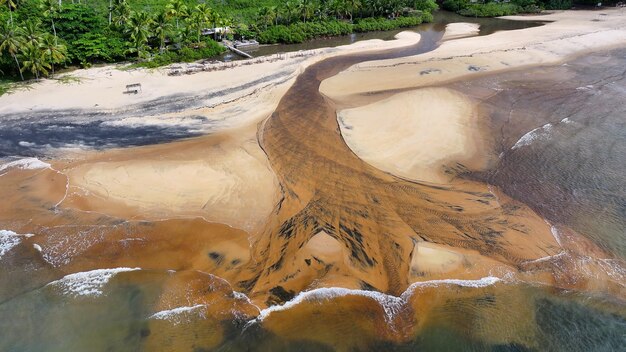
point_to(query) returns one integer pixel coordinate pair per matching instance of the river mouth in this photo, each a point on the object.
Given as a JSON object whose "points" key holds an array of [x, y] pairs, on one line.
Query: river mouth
{"points": [[48, 133], [339, 222]]}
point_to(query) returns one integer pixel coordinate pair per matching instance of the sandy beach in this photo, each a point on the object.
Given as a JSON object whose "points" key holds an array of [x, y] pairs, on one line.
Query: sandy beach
{"points": [[569, 34]]}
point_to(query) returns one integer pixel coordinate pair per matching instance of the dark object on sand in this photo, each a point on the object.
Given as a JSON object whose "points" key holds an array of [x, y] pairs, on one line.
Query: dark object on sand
{"points": [[133, 88]]}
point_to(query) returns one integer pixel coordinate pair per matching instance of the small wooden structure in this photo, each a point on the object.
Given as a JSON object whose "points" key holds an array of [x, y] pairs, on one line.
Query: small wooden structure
{"points": [[233, 48], [133, 88]]}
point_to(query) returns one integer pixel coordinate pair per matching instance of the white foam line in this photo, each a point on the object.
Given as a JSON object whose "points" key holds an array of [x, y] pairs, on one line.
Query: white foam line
{"points": [[10, 239], [390, 304], [25, 164], [67, 186], [35, 164], [543, 259], [170, 313], [88, 283], [533, 135]]}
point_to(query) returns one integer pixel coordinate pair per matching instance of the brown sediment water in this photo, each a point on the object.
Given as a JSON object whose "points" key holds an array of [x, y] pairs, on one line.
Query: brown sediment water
{"points": [[377, 217]]}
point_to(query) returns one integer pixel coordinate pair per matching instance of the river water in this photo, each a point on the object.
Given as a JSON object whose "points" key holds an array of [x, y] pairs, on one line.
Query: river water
{"points": [[571, 172]]}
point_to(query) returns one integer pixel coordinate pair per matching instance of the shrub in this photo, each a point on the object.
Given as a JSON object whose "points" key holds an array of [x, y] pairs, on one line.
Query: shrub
{"points": [[455, 5], [97, 47], [208, 49], [383, 24], [427, 17], [489, 10], [299, 32], [558, 4], [425, 5]]}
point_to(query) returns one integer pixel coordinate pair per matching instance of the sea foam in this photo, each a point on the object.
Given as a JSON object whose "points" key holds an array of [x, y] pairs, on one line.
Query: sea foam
{"points": [[88, 283], [176, 315], [10, 239], [536, 134], [391, 304], [26, 164]]}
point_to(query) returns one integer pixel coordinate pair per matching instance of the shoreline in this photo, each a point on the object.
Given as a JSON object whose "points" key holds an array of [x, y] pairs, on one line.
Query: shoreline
{"points": [[568, 35]]}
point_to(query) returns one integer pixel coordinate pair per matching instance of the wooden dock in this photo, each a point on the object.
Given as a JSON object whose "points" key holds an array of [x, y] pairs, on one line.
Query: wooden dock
{"points": [[236, 51]]}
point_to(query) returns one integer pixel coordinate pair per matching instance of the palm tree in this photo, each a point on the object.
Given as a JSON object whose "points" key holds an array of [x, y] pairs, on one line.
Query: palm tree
{"points": [[120, 13], [177, 9], [53, 52], [50, 9], [32, 34], [11, 39], [337, 8], [161, 28], [35, 60], [12, 5], [352, 6], [289, 8], [204, 15], [305, 9], [139, 27], [266, 16], [186, 34]]}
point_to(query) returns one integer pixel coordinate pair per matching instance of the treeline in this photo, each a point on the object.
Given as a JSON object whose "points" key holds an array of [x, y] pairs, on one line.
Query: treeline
{"points": [[300, 32], [494, 8], [298, 21], [37, 35]]}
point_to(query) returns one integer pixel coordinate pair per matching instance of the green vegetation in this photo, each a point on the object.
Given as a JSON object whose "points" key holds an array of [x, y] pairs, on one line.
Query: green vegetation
{"points": [[37, 37], [295, 22], [494, 8]]}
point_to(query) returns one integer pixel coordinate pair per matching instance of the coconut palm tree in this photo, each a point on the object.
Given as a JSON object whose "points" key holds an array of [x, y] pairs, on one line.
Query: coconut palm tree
{"points": [[53, 52], [186, 34], [50, 9], [12, 5], [161, 26], [121, 13], [35, 61], [352, 6], [289, 8], [11, 40], [337, 8], [203, 14], [32, 33], [139, 29], [177, 9], [304, 7]]}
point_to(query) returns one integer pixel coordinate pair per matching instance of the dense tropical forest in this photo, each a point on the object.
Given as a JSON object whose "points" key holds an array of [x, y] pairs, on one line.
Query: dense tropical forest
{"points": [[38, 37]]}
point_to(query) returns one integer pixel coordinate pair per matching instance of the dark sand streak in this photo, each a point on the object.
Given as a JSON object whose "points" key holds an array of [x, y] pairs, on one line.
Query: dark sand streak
{"points": [[375, 216]]}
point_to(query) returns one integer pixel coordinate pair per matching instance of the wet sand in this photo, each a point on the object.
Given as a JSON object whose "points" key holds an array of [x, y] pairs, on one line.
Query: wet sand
{"points": [[415, 136]]}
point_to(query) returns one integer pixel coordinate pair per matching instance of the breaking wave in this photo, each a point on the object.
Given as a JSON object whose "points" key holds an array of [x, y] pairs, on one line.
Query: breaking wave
{"points": [[176, 315], [88, 283], [10, 239], [391, 304], [26, 164]]}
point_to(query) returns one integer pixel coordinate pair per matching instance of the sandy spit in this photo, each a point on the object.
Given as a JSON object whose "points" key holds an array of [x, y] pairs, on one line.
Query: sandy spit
{"points": [[570, 34]]}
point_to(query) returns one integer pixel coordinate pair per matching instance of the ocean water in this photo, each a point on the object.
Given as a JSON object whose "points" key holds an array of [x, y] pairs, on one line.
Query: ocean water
{"points": [[562, 142]]}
